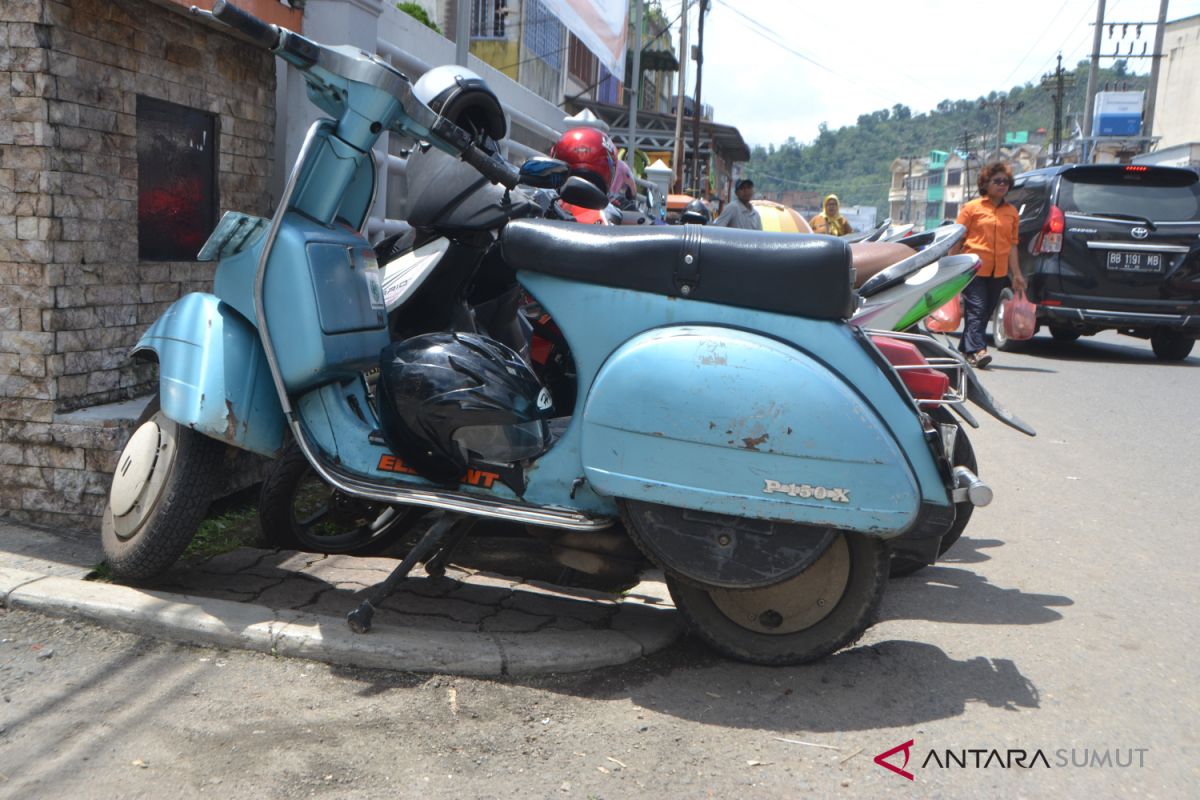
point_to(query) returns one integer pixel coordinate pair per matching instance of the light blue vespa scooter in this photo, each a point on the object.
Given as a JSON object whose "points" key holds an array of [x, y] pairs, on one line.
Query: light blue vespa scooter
{"points": [[752, 443]]}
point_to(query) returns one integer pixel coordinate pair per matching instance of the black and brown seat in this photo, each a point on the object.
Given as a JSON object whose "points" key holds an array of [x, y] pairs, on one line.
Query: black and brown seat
{"points": [[801, 275]]}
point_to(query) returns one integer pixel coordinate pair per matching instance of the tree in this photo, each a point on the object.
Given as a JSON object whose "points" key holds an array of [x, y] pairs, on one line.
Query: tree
{"points": [[415, 11]]}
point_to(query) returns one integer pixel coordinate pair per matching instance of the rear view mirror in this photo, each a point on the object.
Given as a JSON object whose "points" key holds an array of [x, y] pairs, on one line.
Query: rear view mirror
{"points": [[583, 193], [544, 173]]}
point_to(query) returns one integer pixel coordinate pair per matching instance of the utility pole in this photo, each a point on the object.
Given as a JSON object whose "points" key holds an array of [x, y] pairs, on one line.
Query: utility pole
{"points": [[1056, 83], [696, 119], [677, 158], [462, 32], [1148, 126], [907, 191], [1089, 101], [966, 151], [1089, 133], [1000, 106], [637, 85]]}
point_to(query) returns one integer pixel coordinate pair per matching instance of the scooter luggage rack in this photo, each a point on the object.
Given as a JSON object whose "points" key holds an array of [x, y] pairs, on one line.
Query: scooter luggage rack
{"points": [[954, 368]]}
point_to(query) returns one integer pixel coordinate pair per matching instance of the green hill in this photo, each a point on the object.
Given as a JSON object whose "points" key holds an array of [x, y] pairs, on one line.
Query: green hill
{"points": [[854, 161]]}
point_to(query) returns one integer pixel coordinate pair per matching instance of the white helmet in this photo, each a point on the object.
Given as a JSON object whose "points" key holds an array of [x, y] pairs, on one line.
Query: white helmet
{"points": [[464, 98]]}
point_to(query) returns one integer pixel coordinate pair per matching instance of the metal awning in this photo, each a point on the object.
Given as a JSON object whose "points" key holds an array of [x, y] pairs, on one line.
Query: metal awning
{"points": [[656, 60], [657, 131]]}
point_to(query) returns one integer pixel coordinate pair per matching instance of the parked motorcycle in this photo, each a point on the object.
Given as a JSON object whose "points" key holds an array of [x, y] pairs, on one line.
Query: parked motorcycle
{"points": [[899, 284], [757, 447]]}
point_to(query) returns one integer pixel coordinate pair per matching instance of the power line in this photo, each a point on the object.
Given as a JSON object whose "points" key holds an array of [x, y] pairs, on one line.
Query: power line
{"points": [[821, 185], [770, 35], [1038, 41]]}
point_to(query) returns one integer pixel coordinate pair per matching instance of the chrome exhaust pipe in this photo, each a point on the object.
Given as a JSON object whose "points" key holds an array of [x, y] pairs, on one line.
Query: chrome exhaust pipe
{"points": [[967, 486]]}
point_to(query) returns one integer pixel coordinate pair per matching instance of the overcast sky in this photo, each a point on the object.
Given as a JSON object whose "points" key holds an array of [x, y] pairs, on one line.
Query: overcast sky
{"points": [[778, 68]]}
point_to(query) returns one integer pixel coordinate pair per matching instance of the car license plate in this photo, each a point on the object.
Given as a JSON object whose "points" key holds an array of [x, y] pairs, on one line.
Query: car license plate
{"points": [[1126, 261]]}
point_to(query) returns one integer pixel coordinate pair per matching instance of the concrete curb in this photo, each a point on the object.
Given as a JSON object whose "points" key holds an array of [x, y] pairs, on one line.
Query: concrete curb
{"points": [[637, 630]]}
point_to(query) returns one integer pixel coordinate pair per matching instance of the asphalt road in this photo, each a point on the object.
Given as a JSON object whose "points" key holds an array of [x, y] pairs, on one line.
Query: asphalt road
{"points": [[1062, 625]]}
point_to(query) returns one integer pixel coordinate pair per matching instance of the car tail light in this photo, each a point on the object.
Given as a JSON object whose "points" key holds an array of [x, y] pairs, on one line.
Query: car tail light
{"points": [[923, 382], [1050, 239], [1134, 168]]}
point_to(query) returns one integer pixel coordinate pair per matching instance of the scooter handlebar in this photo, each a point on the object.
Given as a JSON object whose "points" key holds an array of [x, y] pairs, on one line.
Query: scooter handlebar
{"points": [[495, 169], [261, 33]]}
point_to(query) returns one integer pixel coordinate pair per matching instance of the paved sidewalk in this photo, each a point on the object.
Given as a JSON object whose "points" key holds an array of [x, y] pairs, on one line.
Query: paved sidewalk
{"points": [[295, 604]]}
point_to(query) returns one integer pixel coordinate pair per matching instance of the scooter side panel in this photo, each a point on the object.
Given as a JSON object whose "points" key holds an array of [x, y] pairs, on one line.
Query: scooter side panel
{"points": [[596, 320], [722, 420], [235, 402], [324, 304]]}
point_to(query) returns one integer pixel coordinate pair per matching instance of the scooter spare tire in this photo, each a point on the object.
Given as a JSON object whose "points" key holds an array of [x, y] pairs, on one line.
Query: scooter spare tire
{"points": [[826, 607], [719, 550], [162, 487]]}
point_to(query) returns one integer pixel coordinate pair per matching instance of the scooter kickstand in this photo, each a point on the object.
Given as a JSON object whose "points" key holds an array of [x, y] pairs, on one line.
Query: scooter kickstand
{"points": [[360, 618], [435, 566]]}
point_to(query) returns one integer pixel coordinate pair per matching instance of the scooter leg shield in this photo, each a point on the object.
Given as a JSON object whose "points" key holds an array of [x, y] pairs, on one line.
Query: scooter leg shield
{"points": [[213, 374], [730, 422]]}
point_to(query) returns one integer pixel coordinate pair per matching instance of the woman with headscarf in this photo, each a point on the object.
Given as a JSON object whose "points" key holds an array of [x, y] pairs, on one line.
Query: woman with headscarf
{"points": [[830, 220]]}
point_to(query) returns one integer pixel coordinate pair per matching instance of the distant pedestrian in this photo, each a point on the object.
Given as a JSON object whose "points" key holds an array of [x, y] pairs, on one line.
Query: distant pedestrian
{"points": [[992, 235], [830, 220], [739, 213]]}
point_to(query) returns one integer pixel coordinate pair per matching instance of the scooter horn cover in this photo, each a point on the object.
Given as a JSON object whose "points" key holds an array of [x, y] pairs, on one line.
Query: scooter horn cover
{"points": [[450, 399]]}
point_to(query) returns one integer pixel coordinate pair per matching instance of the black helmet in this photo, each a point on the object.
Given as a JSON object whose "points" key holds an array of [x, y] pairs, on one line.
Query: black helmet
{"points": [[446, 398], [695, 213], [464, 98]]}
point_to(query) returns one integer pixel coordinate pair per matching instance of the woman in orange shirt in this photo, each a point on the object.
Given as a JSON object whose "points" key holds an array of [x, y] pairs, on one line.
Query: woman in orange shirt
{"points": [[992, 235]]}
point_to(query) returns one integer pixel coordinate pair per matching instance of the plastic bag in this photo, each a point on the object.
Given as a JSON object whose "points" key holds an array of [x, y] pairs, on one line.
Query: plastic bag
{"points": [[1020, 317], [946, 318]]}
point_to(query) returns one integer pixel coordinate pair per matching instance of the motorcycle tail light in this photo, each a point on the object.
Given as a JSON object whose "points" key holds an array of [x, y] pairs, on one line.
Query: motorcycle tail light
{"points": [[923, 382], [1051, 237]]}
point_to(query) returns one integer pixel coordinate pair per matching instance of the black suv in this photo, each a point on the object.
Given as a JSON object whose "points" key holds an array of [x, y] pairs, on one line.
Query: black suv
{"points": [[1113, 246]]}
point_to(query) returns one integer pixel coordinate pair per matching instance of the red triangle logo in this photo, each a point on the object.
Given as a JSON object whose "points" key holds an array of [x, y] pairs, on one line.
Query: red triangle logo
{"points": [[881, 759]]}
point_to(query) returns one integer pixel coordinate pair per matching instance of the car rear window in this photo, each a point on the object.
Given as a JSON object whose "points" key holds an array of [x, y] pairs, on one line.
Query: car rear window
{"points": [[1155, 195]]}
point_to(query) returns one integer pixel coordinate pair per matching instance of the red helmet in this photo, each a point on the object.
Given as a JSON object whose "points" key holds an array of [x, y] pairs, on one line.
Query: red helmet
{"points": [[590, 154]]}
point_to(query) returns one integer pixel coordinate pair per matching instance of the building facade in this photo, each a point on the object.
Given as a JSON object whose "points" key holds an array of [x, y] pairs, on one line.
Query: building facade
{"points": [[125, 127], [1177, 101], [927, 190]]}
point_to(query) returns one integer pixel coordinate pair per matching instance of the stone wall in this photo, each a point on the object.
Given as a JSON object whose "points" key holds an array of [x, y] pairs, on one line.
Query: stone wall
{"points": [[73, 295]]}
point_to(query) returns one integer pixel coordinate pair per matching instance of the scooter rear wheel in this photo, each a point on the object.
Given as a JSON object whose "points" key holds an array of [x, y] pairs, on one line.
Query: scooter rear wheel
{"points": [[826, 607], [963, 455], [163, 485]]}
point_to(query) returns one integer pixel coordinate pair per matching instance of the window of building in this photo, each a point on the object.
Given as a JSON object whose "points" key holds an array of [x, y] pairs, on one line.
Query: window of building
{"points": [[488, 19], [953, 177], [649, 96], [543, 34], [933, 211], [935, 179], [581, 64], [951, 211], [609, 89], [177, 179]]}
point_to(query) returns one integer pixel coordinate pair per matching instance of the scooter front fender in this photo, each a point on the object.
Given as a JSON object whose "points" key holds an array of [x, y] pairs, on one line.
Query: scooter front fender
{"points": [[722, 420], [213, 374]]}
